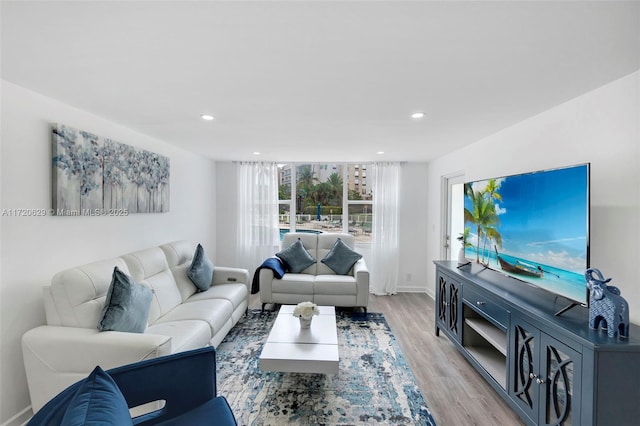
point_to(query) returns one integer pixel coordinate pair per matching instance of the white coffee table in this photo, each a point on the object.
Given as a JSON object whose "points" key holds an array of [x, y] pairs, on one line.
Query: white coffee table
{"points": [[292, 349]]}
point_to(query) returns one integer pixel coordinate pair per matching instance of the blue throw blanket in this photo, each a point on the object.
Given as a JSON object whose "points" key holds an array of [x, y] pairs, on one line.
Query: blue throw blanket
{"points": [[272, 263]]}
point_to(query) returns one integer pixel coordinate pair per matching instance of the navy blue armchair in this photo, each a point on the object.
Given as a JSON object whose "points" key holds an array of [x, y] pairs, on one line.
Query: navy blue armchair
{"points": [[186, 381]]}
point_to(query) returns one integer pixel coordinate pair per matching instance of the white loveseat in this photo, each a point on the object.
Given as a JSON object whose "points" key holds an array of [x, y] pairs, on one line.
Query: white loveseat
{"points": [[318, 283], [69, 347]]}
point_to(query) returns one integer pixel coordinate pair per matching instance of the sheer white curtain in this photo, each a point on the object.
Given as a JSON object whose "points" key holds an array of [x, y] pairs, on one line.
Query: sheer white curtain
{"points": [[384, 239], [257, 235]]}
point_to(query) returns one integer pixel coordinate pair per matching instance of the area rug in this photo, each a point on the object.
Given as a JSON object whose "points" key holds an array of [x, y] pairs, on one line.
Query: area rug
{"points": [[374, 385]]}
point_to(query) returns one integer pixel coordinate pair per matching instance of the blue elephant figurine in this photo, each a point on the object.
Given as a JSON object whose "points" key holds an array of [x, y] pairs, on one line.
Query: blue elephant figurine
{"points": [[606, 305]]}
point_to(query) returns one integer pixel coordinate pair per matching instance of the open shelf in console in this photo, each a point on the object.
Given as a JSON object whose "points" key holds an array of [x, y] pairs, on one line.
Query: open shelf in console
{"points": [[490, 332], [487, 344]]}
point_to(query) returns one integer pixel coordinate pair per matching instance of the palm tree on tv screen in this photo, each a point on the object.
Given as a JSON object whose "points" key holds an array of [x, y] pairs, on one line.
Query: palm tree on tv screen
{"points": [[483, 215]]}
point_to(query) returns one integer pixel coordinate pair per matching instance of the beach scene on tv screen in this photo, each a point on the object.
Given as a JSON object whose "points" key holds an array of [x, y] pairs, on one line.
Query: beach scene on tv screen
{"points": [[533, 227]]}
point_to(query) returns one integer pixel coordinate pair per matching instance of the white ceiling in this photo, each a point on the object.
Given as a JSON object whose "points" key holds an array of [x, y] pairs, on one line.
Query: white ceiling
{"points": [[318, 80]]}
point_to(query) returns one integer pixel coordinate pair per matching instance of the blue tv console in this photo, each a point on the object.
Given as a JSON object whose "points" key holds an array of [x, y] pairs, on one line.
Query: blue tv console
{"points": [[552, 370]]}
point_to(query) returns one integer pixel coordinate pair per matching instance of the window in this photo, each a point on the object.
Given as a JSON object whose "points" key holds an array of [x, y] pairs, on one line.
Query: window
{"points": [[360, 207], [284, 198], [327, 198]]}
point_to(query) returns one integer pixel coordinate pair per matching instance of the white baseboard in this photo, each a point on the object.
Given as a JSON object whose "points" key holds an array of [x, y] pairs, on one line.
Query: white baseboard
{"points": [[411, 289], [19, 419]]}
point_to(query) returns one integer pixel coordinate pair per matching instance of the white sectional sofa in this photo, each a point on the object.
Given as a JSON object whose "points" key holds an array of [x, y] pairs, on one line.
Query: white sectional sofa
{"points": [[69, 347], [318, 283]]}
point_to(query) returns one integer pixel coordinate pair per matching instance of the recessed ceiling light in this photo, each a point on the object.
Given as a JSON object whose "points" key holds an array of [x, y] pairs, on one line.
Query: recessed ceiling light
{"points": [[256, 153], [380, 152], [207, 117], [417, 115]]}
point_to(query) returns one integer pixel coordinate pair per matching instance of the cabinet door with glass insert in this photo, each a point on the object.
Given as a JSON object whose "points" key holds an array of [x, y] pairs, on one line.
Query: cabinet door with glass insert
{"points": [[454, 301], [524, 366], [543, 383], [448, 303], [562, 365]]}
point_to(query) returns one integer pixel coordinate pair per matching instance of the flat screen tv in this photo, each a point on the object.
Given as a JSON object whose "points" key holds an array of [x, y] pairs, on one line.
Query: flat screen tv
{"points": [[533, 227]]}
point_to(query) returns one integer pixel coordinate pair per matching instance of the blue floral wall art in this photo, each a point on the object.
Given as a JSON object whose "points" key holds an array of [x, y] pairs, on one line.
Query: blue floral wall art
{"points": [[93, 175]]}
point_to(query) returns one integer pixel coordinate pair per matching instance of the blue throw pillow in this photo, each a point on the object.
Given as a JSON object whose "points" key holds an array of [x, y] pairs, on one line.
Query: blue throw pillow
{"points": [[127, 305], [201, 270], [98, 401], [296, 258], [341, 258]]}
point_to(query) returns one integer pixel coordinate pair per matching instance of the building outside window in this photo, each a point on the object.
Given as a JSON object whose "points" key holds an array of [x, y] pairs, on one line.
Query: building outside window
{"points": [[322, 202]]}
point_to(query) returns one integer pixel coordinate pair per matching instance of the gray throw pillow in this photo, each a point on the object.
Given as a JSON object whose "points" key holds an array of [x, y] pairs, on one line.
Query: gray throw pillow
{"points": [[296, 258], [341, 258], [201, 270], [127, 305]]}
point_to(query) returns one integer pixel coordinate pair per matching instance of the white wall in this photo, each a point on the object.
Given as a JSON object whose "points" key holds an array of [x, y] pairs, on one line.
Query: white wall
{"points": [[226, 213], [412, 271], [600, 127], [34, 248], [413, 207]]}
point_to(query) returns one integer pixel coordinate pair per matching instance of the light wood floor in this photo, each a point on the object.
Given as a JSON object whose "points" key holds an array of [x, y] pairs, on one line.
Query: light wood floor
{"points": [[455, 393]]}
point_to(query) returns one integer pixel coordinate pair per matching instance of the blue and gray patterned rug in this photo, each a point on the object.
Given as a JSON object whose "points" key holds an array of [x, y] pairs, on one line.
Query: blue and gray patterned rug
{"points": [[374, 385]]}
